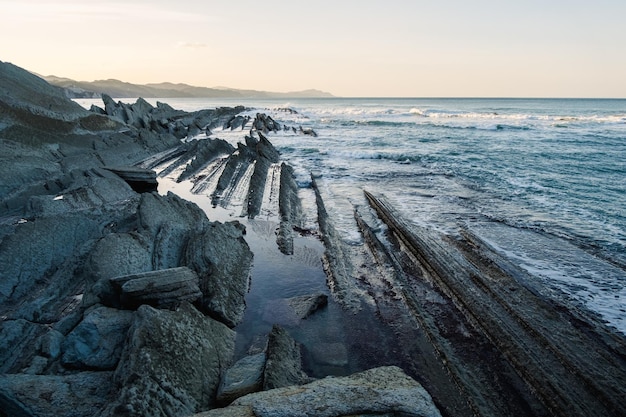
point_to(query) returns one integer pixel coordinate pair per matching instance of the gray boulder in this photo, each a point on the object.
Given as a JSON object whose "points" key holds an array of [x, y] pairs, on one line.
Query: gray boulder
{"points": [[222, 259], [284, 361], [165, 288], [385, 391], [169, 221], [244, 377], [97, 342], [132, 253], [172, 363], [76, 395]]}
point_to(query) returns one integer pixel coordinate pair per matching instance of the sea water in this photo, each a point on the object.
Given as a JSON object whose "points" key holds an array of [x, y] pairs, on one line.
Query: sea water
{"points": [[542, 181]]}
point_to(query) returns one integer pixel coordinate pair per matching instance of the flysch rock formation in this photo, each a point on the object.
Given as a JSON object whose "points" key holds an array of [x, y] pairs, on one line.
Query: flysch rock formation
{"points": [[119, 301], [501, 347]]}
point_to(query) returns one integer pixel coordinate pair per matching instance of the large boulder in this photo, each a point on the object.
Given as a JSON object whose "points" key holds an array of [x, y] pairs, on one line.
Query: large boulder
{"points": [[385, 391], [172, 363], [222, 259], [97, 342], [170, 221], [132, 253]]}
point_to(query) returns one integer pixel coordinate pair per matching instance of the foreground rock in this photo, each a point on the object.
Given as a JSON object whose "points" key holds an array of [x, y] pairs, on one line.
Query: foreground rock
{"points": [[172, 363], [381, 391]]}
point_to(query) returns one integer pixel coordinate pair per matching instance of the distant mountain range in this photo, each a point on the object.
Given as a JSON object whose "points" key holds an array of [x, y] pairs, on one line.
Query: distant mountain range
{"points": [[120, 89]]}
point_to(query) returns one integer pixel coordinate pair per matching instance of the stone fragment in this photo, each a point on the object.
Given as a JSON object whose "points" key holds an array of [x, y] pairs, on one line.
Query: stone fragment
{"points": [[291, 311], [284, 362], [244, 377]]}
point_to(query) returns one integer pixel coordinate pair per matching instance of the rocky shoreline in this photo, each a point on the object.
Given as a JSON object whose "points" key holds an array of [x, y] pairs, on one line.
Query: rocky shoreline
{"points": [[116, 299]]}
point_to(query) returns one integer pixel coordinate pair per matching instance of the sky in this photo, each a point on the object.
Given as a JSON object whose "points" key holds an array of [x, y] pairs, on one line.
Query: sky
{"points": [[390, 48]]}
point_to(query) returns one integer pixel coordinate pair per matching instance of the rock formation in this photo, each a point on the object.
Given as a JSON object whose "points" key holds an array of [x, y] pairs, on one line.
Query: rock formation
{"points": [[383, 391], [116, 300]]}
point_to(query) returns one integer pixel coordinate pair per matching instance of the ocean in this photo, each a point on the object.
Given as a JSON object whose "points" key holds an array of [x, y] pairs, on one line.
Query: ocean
{"points": [[542, 181]]}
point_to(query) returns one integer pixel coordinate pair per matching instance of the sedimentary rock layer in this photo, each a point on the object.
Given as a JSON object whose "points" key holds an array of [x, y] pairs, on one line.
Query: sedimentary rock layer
{"points": [[567, 363]]}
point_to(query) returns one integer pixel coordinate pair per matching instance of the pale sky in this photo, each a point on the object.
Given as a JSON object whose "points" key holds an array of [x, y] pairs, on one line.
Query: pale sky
{"points": [[393, 48]]}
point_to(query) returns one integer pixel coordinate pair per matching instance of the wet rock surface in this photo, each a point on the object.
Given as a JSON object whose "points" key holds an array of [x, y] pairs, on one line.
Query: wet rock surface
{"points": [[244, 377]]}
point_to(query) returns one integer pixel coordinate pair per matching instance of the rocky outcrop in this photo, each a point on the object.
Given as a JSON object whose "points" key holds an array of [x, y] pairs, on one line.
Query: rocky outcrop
{"points": [[385, 391], [290, 210], [542, 356], [172, 363], [67, 227]]}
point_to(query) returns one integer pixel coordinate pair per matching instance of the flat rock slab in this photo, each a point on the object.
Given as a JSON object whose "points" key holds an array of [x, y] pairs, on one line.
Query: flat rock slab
{"points": [[376, 392], [164, 288]]}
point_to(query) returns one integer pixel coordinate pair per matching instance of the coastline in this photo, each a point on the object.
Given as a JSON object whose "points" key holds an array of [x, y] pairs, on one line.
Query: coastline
{"points": [[450, 313]]}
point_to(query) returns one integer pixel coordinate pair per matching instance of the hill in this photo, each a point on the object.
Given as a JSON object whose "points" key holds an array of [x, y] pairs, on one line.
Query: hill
{"points": [[121, 89]]}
